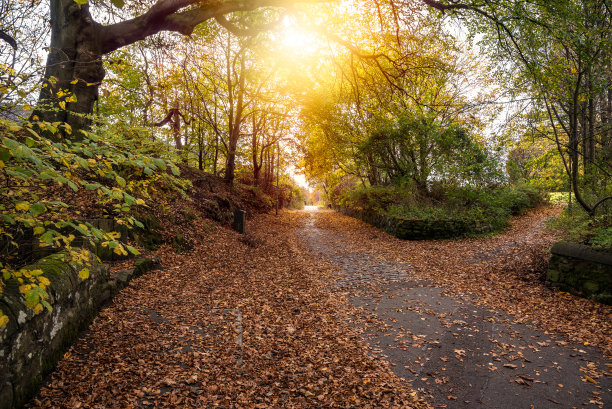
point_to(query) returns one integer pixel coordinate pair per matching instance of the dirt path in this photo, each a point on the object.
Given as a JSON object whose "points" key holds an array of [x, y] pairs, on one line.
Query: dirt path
{"points": [[455, 349]]}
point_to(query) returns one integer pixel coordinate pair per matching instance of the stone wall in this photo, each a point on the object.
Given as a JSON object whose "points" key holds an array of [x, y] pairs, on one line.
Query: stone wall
{"points": [[31, 345], [581, 270], [418, 229]]}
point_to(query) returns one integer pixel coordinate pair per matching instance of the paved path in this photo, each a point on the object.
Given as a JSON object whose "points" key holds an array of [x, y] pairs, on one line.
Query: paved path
{"points": [[456, 353]]}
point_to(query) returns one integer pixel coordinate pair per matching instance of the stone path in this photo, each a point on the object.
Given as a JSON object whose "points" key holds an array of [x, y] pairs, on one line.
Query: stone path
{"points": [[456, 353]]}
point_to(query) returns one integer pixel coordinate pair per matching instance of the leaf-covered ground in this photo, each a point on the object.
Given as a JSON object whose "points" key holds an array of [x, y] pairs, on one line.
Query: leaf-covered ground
{"points": [[265, 320], [503, 271], [449, 333], [237, 322]]}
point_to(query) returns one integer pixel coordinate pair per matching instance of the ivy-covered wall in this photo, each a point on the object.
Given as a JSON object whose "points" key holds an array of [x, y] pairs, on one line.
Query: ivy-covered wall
{"points": [[31, 345], [581, 270], [418, 229]]}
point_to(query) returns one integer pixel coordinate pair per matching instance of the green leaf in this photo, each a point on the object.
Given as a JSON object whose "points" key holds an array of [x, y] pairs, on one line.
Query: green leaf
{"points": [[118, 3], [120, 180], [130, 200], [47, 237], [81, 2], [92, 186], [5, 154], [10, 143], [37, 209], [160, 163], [31, 298], [72, 185], [132, 250], [84, 164], [42, 293], [46, 305], [21, 174], [7, 218]]}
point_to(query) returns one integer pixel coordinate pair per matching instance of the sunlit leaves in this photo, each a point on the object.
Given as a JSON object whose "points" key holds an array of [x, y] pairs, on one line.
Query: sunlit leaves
{"points": [[39, 176], [84, 274]]}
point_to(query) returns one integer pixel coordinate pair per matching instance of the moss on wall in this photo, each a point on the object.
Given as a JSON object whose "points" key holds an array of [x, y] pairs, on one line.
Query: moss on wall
{"points": [[581, 270]]}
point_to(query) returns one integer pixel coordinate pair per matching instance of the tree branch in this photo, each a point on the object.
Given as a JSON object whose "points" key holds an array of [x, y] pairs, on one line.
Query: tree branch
{"points": [[4, 36], [178, 16], [243, 32]]}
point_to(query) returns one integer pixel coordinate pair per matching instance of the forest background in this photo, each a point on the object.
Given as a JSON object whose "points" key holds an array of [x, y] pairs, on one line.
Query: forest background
{"points": [[418, 109]]}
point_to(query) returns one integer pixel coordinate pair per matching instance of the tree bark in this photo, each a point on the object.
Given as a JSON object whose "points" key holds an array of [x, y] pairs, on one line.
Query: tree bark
{"points": [[74, 66]]}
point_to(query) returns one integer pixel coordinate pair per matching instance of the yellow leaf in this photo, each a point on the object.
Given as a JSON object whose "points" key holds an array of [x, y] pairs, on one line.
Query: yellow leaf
{"points": [[3, 321], [1, 164], [62, 104], [35, 117], [23, 206], [74, 81], [120, 250], [39, 230], [44, 281], [38, 308], [589, 379], [84, 274]]}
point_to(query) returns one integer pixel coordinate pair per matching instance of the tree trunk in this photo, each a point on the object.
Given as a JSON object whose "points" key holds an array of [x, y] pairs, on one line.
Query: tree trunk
{"points": [[74, 66], [230, 164], [236, 124]]}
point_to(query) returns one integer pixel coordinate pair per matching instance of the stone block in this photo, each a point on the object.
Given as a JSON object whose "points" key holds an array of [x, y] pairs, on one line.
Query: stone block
{"points": [[581, 270], [31, 345]]}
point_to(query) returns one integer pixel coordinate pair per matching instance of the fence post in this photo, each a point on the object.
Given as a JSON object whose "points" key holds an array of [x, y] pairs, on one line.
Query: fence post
{"points": [[240, 221]]}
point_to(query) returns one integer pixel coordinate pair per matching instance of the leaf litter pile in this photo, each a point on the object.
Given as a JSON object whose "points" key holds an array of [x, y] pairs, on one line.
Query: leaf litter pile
{"points": [[239, 321]]}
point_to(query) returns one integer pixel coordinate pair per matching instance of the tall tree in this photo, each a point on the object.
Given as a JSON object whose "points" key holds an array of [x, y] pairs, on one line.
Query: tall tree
{"points": [[560, 52], [74, 68]]}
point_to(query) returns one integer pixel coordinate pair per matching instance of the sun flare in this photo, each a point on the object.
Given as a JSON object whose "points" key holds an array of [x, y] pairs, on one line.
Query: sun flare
{"points": [[295, 38]]}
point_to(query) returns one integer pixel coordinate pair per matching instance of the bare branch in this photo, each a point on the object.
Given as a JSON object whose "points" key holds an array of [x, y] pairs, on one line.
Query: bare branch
{"points": [[4, 36]]}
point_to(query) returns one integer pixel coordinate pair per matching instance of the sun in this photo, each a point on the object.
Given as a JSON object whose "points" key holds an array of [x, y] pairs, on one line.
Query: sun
{"points": [[296, 39]]}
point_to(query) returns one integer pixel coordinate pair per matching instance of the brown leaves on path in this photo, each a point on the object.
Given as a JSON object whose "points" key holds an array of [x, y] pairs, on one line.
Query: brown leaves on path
{"points": [[502, 271], [234, 323]]}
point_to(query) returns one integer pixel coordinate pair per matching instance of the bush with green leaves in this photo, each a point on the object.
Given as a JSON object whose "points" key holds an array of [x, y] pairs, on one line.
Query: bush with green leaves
{"points": [[46, 174], [576, 225], [493, 206]]}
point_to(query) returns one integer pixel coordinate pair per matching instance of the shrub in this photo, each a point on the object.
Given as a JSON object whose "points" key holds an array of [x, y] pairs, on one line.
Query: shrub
{"points": [[50, 179], [491, 206], [577, 226]]}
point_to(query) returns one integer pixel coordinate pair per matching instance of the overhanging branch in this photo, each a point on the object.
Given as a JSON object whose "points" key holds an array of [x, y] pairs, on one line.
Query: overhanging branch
{"points": [[181, 16]]}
